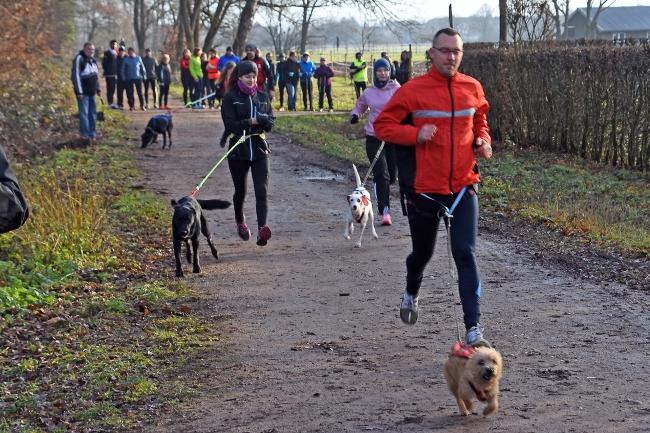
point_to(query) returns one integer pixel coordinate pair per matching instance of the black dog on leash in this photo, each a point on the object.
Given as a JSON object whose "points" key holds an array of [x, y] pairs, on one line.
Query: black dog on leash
{"points": [[160, 124], [188, 221]]}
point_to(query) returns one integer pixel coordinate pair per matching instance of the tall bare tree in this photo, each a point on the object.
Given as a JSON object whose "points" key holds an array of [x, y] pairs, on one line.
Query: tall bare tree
{"points": [[94, 15], [214, 13], [281, 25], [189, 17], [530, 20], [483, 19], [592, 23], [144, 15], [245, 24], [561, 26]]}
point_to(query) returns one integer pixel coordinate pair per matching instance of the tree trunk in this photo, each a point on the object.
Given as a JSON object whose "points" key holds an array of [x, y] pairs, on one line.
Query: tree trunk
{"points": [[215, 23], [304, 30], [140, 24], [244, 28], [503, 20]]}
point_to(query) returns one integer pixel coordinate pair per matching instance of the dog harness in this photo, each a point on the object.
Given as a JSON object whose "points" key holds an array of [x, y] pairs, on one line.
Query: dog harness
{"points": [[153, 121], [462, 350]]}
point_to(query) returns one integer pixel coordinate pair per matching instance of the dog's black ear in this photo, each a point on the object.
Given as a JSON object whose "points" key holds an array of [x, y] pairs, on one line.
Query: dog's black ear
{"points": [[348, 199], [175, 204]]}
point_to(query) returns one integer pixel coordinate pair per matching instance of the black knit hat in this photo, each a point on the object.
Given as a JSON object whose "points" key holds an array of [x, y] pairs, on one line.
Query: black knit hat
{"points": [[247, 67]]}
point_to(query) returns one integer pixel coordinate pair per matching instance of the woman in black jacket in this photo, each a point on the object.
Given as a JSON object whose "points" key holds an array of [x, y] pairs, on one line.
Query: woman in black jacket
{"points": [[403, 69], [247, 110]]}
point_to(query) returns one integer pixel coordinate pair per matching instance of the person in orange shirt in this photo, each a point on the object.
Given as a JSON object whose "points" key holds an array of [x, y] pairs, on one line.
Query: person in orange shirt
{"points": [[213, 75], [438, 123]]}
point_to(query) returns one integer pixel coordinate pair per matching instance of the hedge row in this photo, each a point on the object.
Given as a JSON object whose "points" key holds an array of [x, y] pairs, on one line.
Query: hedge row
{"points": [[589, 99]]}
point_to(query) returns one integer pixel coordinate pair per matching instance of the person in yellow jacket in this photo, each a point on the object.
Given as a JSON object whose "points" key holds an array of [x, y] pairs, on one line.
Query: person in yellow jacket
{"points": [[359, 75], [197, 75]]}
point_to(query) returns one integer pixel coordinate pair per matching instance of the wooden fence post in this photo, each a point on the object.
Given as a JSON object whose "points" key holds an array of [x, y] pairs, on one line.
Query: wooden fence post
{"points": [[410, 62]]}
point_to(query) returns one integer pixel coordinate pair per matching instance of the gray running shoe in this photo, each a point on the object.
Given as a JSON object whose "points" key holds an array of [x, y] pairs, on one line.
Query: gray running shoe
{"points": [[408, 310], [474, 337]]}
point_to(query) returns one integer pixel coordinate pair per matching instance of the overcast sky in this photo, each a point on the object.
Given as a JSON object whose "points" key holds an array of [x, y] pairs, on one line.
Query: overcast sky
{"points": [[438, 8]]}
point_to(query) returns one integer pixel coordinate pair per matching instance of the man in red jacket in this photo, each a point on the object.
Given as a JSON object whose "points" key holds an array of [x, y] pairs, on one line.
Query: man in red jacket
{"points": [[438, 121]]}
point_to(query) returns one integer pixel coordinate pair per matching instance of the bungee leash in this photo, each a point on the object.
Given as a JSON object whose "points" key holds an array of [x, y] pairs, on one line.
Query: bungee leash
{"points": [[446, 213], [373, 163], [193, 102], [243, 138]]}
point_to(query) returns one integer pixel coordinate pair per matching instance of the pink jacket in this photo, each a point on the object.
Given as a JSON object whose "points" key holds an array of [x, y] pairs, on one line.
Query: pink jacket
{"points": [[376, 99]]}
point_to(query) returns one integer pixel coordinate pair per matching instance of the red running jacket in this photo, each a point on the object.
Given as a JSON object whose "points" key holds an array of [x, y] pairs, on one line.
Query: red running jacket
{"points": [[457, 107]]}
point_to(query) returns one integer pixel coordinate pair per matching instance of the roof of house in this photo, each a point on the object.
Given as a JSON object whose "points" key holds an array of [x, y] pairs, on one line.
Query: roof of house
{"points": [[620, 19]]}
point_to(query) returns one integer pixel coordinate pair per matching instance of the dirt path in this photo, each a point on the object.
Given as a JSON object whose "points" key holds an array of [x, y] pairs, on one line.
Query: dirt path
{"points": [[316, 343]]}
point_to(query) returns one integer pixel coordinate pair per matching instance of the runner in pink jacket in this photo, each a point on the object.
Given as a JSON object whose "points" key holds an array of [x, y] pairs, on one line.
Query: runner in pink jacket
{"points": [[385, 169]]}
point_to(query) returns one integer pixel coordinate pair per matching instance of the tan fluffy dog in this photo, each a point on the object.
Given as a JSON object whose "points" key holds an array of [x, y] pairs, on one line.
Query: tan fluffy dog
{"points": [[474, 373]]}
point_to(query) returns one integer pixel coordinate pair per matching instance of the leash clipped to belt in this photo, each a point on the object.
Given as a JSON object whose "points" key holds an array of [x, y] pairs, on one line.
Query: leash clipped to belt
{"points": [[374, 161], [446, 212], [243, 138]]}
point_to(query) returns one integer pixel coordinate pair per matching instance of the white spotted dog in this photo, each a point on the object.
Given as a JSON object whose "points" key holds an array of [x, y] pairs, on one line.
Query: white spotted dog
{"points": [[360, 210]]}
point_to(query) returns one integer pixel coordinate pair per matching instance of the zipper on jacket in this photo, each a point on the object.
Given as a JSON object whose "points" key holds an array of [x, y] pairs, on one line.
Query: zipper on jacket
{"points": [[253, 115], [453, 114]]}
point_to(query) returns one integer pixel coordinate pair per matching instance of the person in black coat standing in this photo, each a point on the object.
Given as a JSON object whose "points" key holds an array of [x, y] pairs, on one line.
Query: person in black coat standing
{"points": [[121, 85], [247, 110], [109, 65], [14, 210]]}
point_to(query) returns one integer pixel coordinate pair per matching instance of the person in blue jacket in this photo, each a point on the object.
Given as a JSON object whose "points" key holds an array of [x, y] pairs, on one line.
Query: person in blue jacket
{"points": [[228, 57], [306, 80], [133, 73]]}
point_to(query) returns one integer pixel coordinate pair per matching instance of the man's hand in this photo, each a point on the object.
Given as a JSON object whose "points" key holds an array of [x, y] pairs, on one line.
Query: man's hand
{"points": [[426, 133], [271, 93], [483, 148], [80, 96]]}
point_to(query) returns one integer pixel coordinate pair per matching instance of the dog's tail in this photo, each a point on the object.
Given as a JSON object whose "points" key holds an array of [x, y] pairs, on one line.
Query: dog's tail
{"points": [[213, 204], [356, 176]]}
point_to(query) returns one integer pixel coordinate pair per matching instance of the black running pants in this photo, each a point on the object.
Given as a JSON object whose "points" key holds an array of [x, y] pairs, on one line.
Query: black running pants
{"points": [[260, 171], [152, 83], [164, 93], [110, 89], [424, 220]]}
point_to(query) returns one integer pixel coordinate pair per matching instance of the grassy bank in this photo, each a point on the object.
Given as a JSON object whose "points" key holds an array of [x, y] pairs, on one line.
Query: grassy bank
{"points": [[600, 205], [93, 332]]}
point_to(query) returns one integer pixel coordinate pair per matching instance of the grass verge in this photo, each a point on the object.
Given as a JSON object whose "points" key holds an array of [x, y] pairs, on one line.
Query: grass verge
{"points": [[599, 205], [93, 334]]}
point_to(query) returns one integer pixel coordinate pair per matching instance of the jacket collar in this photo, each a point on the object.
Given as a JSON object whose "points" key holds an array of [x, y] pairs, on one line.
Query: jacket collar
{"points": [[436, 75]]}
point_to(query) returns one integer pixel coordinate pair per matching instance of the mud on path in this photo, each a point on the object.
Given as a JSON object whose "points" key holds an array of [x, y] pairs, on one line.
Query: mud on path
{"points": [[314, 336]]}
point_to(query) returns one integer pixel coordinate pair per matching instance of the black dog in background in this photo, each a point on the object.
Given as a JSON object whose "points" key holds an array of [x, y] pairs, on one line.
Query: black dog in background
{"points": [[160, 124], [188, 221]]}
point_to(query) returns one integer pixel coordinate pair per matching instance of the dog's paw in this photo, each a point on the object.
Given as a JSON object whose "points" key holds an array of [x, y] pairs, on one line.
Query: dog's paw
{"points": [[375, 235], [489, 410], [196, 269], [346, 237], [179, 274], [357, 245]]}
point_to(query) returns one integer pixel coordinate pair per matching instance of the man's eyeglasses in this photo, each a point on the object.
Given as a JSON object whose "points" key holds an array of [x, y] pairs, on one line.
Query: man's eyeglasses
{"points": [[445, 51]]}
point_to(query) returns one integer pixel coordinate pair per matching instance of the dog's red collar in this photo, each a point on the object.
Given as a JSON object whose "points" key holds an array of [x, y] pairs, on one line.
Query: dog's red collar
{"points": [[479, 394]]}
